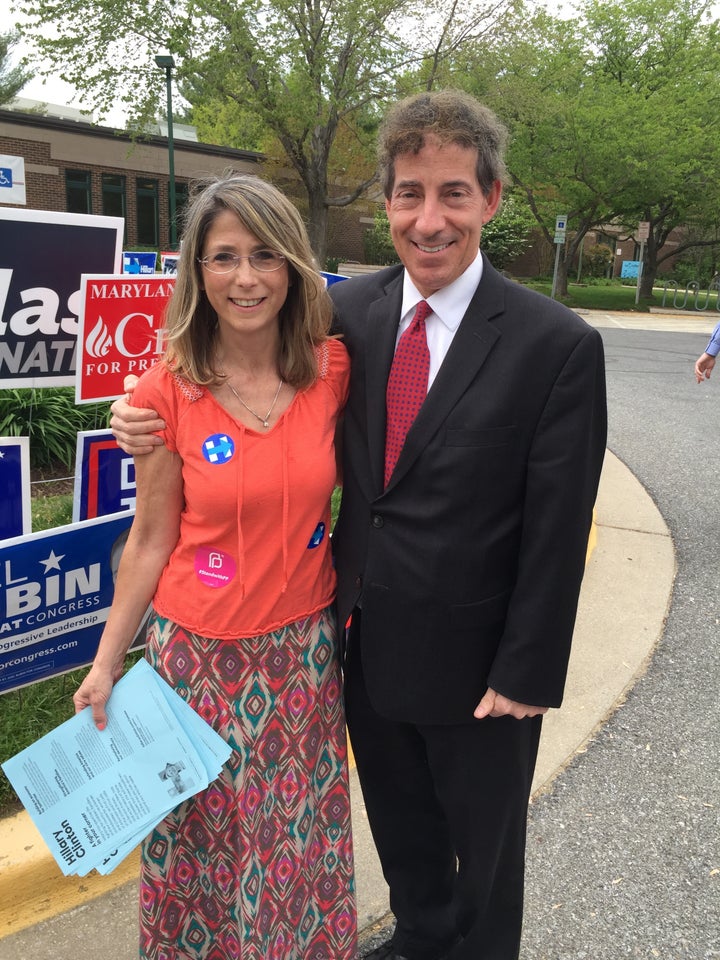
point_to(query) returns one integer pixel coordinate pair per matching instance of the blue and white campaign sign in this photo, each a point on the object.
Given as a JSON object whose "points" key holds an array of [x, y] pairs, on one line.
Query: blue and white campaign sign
{"points": [[104, 476], [14, 487], [12, 179], [331, 278], [140, 262], [56, 588], [42, 257]]}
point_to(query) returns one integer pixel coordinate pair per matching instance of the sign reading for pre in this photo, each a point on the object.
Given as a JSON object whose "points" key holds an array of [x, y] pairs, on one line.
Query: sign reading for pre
{"points": [[121, 331]]}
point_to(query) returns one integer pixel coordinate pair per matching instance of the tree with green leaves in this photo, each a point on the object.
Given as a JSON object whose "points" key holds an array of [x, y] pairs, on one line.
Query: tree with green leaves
{"points": [[661, 60], [611, 118], [314, 74], [12, 78]]}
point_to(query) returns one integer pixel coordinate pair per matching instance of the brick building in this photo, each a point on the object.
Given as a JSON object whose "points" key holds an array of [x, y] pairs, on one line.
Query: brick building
{"points": [[77, 167], [74, 166]]}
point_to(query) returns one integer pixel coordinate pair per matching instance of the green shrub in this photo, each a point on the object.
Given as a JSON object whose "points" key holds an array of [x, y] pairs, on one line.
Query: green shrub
{"points": [[377, 242], [597, 259], [50, 418], [509, 234]]}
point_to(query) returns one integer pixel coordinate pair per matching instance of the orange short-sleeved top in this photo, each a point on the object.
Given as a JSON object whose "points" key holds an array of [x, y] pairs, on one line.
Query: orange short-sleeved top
{"points": [[254, 548]]}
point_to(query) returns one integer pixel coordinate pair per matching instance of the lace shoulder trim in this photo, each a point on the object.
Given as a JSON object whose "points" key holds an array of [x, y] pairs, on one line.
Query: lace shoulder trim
{"points": [[322, 352], [191, 391]]}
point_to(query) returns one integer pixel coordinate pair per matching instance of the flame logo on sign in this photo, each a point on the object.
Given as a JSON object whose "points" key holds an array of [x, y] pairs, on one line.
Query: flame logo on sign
{"points": [[98, 341]]}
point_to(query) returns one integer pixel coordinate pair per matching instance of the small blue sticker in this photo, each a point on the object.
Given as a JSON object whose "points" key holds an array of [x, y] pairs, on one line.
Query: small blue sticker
{"points": [[318, 536], [218, 448]]}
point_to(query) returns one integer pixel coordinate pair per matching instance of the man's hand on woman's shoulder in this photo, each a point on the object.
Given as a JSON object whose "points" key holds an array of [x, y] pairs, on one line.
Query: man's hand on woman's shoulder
{"points": [[134, 428]]}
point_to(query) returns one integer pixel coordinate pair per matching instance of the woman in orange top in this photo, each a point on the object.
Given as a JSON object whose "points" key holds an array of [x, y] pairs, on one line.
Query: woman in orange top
{"points": [[231, 543]]}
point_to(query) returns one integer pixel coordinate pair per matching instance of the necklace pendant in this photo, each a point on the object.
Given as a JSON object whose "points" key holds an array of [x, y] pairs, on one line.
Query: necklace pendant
{"points": [[266, 423]]}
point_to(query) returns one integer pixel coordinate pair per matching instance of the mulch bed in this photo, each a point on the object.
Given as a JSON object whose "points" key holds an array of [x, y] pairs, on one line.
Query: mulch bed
{"points": [[51, 481]]}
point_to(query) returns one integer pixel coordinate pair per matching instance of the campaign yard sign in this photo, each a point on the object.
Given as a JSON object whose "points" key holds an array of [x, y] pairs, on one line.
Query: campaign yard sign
{"points": [[42, 256], [14, 487], [56, 588], [138, 262], [169, 262], [104, 476], [331, 278], [121, 331]]}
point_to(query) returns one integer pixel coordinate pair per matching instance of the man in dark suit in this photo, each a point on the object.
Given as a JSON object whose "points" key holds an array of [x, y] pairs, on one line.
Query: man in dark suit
{"points": [[460, 547], [462, 569]]}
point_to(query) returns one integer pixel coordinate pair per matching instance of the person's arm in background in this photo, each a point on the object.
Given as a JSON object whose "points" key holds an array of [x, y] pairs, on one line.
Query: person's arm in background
{"points": [[706, 361], [135, 428]]}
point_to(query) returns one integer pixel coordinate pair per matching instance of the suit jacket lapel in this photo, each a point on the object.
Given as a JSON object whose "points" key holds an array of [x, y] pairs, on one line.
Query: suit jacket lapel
{"points": [[472, 343], [383, 320]]}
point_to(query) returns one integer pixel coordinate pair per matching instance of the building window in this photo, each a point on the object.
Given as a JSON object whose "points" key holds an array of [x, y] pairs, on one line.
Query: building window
{"points": [[78, 191], [113, 197], [146, 201]]}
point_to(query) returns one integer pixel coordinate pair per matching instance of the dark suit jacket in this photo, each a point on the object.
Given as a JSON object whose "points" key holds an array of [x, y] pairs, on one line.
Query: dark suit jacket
{"points": [[468, 566]]}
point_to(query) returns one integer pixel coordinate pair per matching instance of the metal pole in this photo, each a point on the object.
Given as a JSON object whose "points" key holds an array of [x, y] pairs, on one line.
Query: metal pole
{"points": [[171, 160], [555, 273]]}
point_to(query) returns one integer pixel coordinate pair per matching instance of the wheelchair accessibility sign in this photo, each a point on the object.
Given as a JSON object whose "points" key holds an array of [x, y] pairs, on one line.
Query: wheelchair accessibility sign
{"points": [[12, 179]]}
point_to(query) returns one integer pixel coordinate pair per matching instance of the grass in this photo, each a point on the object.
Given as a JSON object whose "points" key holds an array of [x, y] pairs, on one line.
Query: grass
{"points": [[615, 296], [52, 511]]}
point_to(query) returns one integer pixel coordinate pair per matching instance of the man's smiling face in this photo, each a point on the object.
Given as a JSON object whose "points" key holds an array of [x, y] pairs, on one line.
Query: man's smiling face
{"points": [[437, 211]]}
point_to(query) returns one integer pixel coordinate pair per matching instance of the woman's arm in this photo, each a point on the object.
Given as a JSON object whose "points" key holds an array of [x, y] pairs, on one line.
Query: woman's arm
{"points": [[153, 536]]}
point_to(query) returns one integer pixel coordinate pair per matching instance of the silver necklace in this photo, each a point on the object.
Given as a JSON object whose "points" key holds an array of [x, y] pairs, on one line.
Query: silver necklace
{"points": [[265, 421]]}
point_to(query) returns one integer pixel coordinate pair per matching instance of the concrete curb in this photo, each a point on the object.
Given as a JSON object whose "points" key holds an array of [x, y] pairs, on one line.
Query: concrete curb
{"points": [[623, 607]]}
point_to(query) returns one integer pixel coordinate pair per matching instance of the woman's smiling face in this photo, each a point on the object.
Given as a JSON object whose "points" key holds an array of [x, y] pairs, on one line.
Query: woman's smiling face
{"points": [[245, 300]]}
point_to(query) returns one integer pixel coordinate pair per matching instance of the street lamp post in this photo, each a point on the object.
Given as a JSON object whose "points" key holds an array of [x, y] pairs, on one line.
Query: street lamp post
{"points": [[167, 62]]}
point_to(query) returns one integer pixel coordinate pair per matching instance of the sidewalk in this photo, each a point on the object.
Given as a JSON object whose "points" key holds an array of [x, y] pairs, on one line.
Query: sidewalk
{"points": [[630, 575]]}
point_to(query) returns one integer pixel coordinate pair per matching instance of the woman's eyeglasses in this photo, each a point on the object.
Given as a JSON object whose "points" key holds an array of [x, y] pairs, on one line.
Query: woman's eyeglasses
{"points": [[263, 260]]}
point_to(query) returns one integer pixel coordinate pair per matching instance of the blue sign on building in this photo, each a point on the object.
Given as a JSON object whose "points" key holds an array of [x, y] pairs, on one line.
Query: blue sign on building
{"points": [[630, 269]]}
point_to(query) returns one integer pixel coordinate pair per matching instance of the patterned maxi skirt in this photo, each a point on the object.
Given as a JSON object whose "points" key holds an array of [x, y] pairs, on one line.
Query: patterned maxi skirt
{"points": [[258, 866]]}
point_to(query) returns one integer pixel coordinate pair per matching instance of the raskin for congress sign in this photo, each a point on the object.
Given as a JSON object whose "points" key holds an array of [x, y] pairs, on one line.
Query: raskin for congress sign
{"points": [[121, 331], [42, 257], [56, 588]]}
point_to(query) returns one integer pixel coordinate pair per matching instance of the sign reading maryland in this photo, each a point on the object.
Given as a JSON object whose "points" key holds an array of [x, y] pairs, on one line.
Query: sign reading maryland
{"points": [[121, 331], [42, 257]]}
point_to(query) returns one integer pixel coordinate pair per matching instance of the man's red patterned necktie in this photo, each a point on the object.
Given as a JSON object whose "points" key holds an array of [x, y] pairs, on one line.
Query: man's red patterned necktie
{"points": [[407, 385]]}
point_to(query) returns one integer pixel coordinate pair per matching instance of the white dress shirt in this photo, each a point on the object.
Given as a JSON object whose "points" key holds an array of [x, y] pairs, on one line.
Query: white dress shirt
{"points": [[448, 308]]}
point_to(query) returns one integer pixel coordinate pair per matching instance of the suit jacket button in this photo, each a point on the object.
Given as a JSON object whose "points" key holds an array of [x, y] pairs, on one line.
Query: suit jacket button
{"points": [[378, 522], [358, 582]]}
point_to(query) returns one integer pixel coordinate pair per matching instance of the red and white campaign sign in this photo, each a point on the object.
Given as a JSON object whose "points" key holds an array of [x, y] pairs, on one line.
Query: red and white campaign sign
{"points": [[121, 331]]}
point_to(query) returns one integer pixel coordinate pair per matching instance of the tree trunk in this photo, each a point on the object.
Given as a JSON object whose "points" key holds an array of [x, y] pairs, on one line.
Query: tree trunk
{"points": [[561, 284], [647, 280], [317, 223]]}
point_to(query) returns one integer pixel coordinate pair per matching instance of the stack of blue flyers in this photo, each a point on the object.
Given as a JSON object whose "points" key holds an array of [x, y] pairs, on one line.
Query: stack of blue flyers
{"points": [[95, 794]]}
